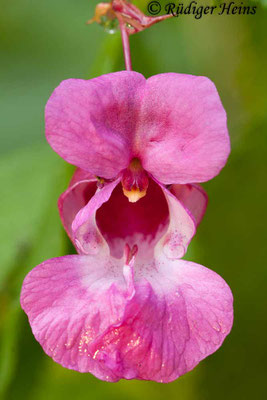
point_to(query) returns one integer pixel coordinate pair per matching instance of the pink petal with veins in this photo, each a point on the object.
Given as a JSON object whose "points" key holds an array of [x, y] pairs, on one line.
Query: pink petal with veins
{"points": [[81, 175], [174, 124], [82, 188], [154, 321], [180, 230], [87, 236], [194, 199], [182, 129], [90, 123]]}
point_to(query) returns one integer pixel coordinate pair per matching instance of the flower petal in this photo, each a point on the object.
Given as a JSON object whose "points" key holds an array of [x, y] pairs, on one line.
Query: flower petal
{"points": [[182, 134], [81, 189], [180, 314], [81, 175], [141, 223], [194, 199], [180, 231], [70, 301], [89, 318], [174, 123], [87, 236], [91, 123]]}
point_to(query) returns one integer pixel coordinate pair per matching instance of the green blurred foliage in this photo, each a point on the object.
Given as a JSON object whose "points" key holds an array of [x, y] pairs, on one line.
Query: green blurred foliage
{"points": [[42, 43]]}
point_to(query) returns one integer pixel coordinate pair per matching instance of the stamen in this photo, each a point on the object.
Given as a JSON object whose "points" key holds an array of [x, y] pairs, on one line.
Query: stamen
{"points": [[129, 253], [134, 181], [100, 182]]}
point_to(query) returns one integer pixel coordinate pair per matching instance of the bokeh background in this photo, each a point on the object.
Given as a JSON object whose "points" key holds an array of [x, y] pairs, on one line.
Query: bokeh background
{"points": [[45, 42]]}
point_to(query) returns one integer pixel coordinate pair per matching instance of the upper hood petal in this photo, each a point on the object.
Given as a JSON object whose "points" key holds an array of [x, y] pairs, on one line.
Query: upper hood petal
{"points": [[90, 123], [182, 133], [174, 123]]}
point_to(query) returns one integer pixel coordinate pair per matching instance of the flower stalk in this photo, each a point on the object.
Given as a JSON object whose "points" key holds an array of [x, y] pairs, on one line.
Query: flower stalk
{"points": [[131, 20], [125, 44]]}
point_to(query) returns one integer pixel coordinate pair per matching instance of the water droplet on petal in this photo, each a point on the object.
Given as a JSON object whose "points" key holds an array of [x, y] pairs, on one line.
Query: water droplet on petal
{"points": [[110, 25]]}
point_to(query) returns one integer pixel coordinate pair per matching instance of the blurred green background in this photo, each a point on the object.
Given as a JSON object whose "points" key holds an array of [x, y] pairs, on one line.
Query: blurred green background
{"points": [[45, 42]]}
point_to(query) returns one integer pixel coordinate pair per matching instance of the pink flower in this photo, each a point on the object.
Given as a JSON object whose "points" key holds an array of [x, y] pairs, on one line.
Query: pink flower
{"points": [[127, 306]]}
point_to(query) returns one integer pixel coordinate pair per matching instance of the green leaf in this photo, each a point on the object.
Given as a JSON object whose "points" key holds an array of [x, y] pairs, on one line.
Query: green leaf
{"points": [[27, 178], [32, 180]]}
